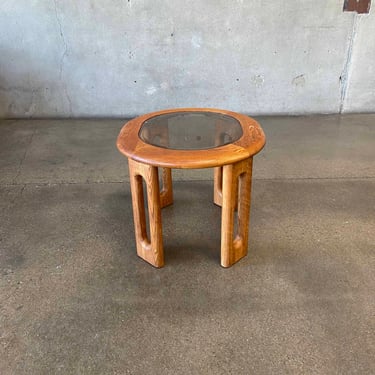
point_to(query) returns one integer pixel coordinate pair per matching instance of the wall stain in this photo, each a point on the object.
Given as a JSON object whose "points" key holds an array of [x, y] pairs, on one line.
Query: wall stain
{"points": [[299, 81]]}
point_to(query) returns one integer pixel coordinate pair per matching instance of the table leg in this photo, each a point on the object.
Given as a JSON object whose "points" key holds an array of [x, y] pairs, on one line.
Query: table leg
{"points": [[218, 186], [236, 187], [149, 249], [166, 193]]}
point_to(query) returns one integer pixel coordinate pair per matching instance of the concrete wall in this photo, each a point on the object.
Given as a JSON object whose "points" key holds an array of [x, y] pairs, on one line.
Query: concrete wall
{"points": [[124, 57], [360, 95]]}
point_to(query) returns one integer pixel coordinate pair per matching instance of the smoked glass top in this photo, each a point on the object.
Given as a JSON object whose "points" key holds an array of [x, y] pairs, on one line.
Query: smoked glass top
{"points": [[190, 130]]}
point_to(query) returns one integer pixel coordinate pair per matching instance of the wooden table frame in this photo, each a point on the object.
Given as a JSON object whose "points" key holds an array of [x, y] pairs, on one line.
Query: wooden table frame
{"points": [[232, 183]]}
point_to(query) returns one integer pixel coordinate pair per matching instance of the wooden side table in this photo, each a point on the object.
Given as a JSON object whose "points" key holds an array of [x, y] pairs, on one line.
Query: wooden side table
{"points": [[191, 138]]}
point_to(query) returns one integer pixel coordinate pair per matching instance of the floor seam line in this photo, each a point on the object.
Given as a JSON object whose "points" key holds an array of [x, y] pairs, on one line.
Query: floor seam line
{"points": [[191, 180]]}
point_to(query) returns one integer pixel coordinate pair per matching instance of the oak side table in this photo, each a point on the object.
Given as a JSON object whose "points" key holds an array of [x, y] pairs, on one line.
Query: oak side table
{"points": [[191, 138]]}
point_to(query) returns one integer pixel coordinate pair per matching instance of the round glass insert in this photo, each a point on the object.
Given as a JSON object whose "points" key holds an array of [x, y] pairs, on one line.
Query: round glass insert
{"points": [[190, 130]]}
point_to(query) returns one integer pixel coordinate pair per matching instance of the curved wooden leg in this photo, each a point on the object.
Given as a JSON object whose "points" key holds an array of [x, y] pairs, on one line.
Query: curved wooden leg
{"points": [[149, 249], [236, 187], [166, 193]]}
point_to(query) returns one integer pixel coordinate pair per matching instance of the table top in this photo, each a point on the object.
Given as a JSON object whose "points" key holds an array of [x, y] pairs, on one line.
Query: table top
{"points": [[191, 138], [190, 130]]}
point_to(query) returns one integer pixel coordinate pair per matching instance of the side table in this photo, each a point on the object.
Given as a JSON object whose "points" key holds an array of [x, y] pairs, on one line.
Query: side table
{"points": [[191, 138]]}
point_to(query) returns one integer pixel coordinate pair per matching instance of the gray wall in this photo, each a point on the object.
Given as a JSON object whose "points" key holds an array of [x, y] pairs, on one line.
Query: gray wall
{"points": [[122, 58]]}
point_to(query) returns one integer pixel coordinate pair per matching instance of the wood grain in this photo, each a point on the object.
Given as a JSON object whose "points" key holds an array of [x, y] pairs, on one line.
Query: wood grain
{"points": [[251, 142], [218, 186], [232, 182], [236, 188], [166, 193], [149, 249]]}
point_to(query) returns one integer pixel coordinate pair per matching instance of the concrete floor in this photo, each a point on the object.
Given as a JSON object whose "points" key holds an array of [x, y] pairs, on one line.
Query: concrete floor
{"points": [[76, 299]]}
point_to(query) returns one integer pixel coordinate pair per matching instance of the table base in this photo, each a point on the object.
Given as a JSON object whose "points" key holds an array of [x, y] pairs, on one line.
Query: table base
{"points": [[232, 191]]}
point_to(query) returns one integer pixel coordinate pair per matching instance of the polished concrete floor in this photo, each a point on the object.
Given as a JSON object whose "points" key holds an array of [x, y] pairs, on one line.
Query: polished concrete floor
{"points": [[76, 299]]}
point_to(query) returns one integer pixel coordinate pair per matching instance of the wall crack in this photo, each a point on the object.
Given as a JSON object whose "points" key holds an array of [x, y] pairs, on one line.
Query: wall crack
{"points": [[63, 40], [344, 77], [63, 56]]}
